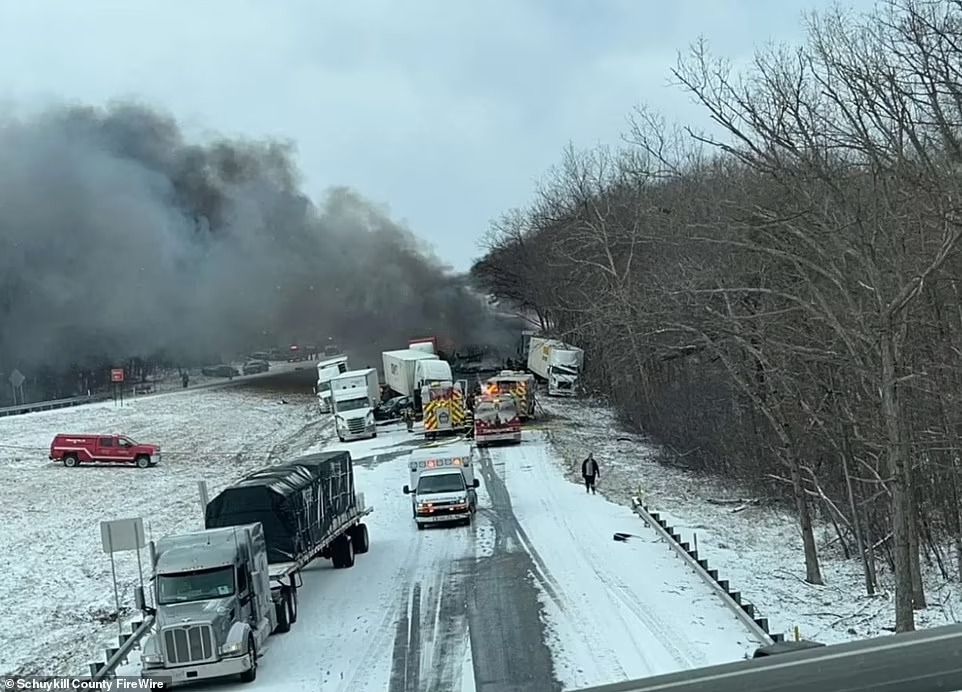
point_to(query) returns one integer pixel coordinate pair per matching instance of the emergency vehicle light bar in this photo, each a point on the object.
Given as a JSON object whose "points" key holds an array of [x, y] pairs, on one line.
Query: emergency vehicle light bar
{"points": [[432, 463]]}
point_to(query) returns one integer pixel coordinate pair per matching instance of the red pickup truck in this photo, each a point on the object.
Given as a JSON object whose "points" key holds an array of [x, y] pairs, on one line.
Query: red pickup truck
{"points": [[74, 450]]}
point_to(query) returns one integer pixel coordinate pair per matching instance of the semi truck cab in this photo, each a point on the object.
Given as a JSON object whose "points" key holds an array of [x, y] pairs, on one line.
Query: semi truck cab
{"points": [[354, 394], [326, 371], [442, 487], [213, 609]]}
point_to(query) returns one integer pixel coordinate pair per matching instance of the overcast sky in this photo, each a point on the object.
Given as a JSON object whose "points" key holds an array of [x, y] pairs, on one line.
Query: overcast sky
{"points": [[445, 111]]}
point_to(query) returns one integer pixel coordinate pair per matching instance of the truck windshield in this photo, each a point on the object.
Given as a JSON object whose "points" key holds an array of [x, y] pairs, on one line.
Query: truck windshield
{"points": [[448, 483], [323, 386], [202, 585], [352, 404]]}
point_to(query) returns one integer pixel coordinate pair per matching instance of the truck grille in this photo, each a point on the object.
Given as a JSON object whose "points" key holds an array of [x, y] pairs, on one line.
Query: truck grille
{"points": [[355, 425], [190, 644], [440, 509]]}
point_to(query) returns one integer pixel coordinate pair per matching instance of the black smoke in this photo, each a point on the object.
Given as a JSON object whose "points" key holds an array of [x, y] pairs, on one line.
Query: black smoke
{"points": [[119, 238]]}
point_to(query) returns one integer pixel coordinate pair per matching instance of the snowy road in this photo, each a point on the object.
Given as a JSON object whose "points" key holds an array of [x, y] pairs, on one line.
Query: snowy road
{"points": [[535, 596]]}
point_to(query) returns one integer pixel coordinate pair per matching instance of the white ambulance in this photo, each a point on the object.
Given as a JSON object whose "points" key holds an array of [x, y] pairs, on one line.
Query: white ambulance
{"points": [[442, 485]]}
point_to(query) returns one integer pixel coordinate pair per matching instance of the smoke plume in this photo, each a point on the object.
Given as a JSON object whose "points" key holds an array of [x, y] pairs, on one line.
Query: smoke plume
{"points": [[119, 238]]}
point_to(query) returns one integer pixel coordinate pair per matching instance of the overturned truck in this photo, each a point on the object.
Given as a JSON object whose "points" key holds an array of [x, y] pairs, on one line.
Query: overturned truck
{"points": [[220, 593]]}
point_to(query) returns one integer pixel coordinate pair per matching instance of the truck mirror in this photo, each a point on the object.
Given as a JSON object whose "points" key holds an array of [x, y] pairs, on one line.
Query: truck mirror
{"points": [[407, 490], [477, 483], [139, 601]]}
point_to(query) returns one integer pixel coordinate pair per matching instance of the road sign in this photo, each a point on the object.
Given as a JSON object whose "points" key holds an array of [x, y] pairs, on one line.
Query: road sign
{"points": [[121, 535], [117, 375], [17, 379]]}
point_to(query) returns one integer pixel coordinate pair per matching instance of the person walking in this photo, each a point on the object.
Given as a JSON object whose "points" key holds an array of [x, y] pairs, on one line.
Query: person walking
{"points": [[589, 470]]}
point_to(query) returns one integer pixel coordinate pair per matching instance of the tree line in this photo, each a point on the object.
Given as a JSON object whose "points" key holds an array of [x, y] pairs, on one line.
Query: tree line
{"points": [[780, 302]]}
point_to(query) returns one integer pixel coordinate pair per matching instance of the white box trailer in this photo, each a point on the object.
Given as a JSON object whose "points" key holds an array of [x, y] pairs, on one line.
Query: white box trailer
{"points": [[399, 369], [557, 363]]}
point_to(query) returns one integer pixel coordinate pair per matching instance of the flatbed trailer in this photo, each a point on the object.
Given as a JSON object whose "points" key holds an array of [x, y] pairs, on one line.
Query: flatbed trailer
{"points": [[345, 539]]}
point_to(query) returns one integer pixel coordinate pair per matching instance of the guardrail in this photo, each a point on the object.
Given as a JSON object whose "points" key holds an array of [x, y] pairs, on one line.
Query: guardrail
{"points": [[105, 396], [115, 655], [53, 404], [743, 610]]}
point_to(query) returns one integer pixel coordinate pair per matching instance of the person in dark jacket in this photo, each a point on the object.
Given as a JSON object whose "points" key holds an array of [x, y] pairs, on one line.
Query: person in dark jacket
{"points": [[589, 470]]}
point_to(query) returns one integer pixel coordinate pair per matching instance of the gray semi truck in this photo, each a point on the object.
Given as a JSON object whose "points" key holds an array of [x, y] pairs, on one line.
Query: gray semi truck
{"points": [[218, 594]]}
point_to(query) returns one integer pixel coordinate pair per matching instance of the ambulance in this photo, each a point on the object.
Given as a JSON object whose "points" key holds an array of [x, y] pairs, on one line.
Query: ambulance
{"points": [[442, 485]]}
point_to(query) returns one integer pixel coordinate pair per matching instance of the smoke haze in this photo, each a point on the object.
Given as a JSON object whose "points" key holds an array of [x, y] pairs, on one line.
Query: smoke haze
{"points": [[118, 238]]}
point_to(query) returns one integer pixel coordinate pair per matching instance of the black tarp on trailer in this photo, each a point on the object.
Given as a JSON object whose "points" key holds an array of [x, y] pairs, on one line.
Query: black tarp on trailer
{"points": [[335, 471], [294, 502]]}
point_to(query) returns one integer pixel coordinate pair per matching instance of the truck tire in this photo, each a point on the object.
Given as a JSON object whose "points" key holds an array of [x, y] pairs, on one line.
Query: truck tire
{"points": [[361, 539], [421, 526], [142, 461], [283, 612], [292, 607], [250, 675], [343, 553], [71, 461]]}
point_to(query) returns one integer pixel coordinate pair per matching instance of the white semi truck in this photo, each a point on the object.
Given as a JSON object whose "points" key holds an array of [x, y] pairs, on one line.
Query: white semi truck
{"points": [[442, 485], [557, 363], [218, 594], [326, 370], [354, 396], [400, 369]]}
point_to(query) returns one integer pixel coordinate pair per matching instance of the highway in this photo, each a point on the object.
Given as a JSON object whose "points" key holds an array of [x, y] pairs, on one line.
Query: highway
{"points": [[926, 661]]}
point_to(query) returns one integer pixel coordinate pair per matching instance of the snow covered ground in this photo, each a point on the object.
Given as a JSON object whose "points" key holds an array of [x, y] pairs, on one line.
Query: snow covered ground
{"points": [[56, 591], [535, 594], [446, 609], [757, 548], [616, 610]]}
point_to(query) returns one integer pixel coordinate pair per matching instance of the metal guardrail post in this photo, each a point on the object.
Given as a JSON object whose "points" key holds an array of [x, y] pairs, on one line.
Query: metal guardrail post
{"points": [[744, 611], [114, 656]]}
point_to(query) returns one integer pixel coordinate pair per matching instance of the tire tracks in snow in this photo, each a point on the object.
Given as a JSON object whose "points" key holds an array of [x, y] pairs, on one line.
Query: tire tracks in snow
{"points": [[386, 628], [429, 637], [621, 594], [504, 612], [567, 604], [308, 435]]}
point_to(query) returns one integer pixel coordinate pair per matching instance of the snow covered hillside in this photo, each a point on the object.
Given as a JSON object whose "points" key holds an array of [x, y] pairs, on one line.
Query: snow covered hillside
{"points": [[535, 595], [757, 548], [56, 587]]}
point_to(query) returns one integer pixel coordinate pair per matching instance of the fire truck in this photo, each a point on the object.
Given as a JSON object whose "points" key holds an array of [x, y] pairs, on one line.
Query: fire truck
{"points": [[518, 384], [443, 408], [496, 419]]}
